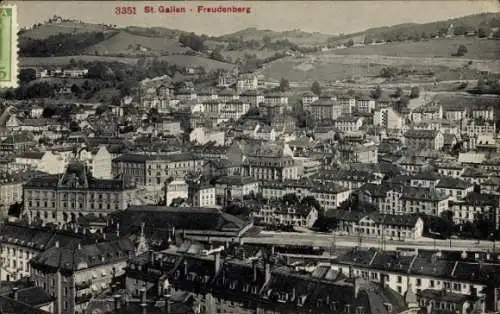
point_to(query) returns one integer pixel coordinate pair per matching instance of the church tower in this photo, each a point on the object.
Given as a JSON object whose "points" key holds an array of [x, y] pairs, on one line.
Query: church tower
{"points": [[142, 245]]}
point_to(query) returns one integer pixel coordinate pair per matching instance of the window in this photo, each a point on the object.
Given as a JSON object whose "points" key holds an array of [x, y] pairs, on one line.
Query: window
{"points": [[432, 283], [400, 279], [388, 307], [419, 282], [347, 309]]}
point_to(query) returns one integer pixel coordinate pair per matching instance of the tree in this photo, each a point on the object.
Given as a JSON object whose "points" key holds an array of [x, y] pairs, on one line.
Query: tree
{"points": [[193, 41], [27, 75], [48, 112], [461, 51], [415, 92], [368, 40], [399, 92], [86, 85], [481, 33], [73, 63], [447, 215], [388, 72], [217, 55], [311, 201], [376, 93], [101, 109], [116, 100], [75, 89], [316, 88], [74, 126], [459, 30], [284, 85], [291, 199], [349, 43]]}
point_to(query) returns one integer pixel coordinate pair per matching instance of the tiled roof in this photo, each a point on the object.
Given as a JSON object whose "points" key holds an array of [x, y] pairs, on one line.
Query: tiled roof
{"points": [[31, 155], [71, 258], [8, 305], [158, 219], [420, 193], [236, 180], [421, 134], [36, 238], [34, 296], [453, 183]]}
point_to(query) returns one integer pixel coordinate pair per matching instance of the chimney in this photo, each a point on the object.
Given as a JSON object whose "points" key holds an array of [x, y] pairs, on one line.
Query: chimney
{"points": [[218, 262], [185, 268], [356, 288], [254, 267], [144, 300], [79, 246], [57, 244], [116, 299], [382, 280], [15, 293], [268, 272]]}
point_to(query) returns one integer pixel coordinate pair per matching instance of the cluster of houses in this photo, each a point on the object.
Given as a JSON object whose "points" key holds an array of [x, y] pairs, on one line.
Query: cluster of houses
{"points": [[97, 191]]}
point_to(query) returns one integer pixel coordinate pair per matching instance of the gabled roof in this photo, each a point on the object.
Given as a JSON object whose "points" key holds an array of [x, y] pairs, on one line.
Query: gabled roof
{"points": [[72, 258], [31, 155], [453, 183], [158, 219], [9, 305], [421, 134]]}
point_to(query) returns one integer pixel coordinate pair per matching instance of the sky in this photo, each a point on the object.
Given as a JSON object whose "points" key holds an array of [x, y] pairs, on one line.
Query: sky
{"points": [[328, 17]]}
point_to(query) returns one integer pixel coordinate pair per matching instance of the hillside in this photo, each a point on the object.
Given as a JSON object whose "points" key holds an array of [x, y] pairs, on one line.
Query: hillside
{"points": [[195, 61], [482, 49], [470, 22], [51, 29], [65, 60], [131, 44], [295, 36]]}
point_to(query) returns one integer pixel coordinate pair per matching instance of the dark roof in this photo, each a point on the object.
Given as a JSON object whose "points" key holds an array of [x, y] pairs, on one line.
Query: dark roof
{"points": [[443, 295], [236, 180], [37, 238], [77, 176], [9, 305], [453, 183], [158, 219], [70, 258], [392, 261], [421, 134], [31, 155], [432, 264], [34, 296]]}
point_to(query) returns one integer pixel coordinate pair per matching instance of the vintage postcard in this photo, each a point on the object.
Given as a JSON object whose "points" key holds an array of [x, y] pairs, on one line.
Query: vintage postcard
{"points": [[250, 157], [8, 48]]}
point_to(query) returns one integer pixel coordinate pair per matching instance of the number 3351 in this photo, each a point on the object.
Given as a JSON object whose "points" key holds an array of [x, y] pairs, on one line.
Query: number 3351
{"points": [[125, 11]]}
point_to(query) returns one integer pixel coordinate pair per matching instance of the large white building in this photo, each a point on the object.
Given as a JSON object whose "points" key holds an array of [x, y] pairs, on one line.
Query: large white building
{"points": [[388, 118], [65, 198]]}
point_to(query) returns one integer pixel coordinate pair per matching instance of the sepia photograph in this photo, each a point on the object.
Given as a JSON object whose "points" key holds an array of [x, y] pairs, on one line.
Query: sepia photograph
{"points": [[249, 157]]}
